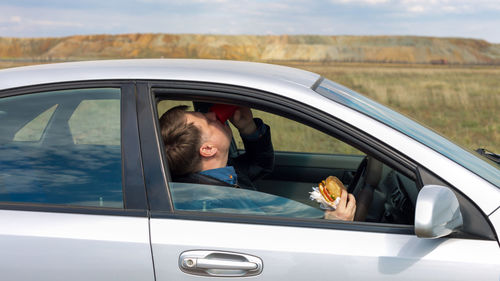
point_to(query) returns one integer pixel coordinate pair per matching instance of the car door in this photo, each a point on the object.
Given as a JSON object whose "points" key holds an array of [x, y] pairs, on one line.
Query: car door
{"points": [[192, 241], [72, 197]]}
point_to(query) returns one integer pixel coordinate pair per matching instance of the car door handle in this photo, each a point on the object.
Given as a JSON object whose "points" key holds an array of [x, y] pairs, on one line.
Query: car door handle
{"points": [[219, 263]]}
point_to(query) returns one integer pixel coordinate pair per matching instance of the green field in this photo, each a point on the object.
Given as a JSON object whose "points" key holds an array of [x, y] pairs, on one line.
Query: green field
{"points": [[461, 103]]}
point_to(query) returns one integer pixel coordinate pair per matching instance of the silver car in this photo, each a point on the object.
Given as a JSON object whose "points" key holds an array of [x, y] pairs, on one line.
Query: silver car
{"points": [[86, 192]]}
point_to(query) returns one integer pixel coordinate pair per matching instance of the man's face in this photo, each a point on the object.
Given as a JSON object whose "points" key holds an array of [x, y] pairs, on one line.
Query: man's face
{"points": [[211, 129]]}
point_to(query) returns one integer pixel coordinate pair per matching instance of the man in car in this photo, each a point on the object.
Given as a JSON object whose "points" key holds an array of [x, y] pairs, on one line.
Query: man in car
{"points": [[197, 148]]}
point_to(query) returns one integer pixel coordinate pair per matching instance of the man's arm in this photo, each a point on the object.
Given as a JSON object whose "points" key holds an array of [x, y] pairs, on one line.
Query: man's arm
{"points": [[258, 159], [242, 119]]}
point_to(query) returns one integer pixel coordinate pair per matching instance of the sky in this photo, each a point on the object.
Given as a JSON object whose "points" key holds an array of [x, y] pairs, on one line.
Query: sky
{"points": [[479, 19]]}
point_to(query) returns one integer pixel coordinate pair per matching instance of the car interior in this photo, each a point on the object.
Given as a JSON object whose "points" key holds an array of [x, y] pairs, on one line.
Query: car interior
{"points": [[383, 194]]}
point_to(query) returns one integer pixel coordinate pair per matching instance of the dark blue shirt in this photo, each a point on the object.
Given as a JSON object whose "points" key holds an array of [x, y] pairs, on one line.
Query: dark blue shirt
{"points": [[226, 174]]}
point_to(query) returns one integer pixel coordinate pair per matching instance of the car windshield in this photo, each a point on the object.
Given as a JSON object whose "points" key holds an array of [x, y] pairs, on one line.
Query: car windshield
{"points": [[410, 128]]}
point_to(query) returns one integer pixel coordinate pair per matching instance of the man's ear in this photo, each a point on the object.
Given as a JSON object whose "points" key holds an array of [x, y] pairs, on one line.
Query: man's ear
{"points": [[207, 150]]}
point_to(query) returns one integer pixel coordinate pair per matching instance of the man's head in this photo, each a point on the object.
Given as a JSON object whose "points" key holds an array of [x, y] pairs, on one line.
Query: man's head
{"points": [[194, 141]]}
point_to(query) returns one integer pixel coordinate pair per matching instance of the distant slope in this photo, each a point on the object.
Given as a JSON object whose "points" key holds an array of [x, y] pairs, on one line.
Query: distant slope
{"points": [[400, 49]]}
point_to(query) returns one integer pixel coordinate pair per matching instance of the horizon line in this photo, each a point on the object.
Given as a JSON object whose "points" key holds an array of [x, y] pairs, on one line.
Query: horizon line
{"points": [[248, 34]]}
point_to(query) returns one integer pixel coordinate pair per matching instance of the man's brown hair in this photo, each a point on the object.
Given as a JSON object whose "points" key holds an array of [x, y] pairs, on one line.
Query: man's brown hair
{"points": [[182, 141]]}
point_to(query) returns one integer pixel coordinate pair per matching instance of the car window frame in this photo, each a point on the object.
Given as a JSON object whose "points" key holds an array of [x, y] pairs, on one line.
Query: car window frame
{"points": [[133, 190], [151, 91]]}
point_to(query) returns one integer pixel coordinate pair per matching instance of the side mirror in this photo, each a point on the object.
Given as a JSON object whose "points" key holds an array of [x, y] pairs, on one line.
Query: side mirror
{"points": [[437, 213]]}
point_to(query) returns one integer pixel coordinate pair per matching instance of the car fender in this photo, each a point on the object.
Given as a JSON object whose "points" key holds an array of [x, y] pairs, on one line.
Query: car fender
{"points": [[495, 221]]}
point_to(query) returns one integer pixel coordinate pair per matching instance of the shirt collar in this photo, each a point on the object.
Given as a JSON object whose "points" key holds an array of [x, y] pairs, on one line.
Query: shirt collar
{"points": [[226, 174]]}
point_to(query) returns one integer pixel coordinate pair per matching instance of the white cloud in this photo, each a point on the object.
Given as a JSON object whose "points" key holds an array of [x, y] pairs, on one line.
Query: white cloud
{"points": [[182, 2], [449, 6], [432, 6], [372, 2], [416, 9], [16, 19], [450, 9], [57, 23]]}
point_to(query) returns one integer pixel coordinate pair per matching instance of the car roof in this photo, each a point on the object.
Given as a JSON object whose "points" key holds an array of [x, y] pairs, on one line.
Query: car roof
{"points": [[248, 74]]}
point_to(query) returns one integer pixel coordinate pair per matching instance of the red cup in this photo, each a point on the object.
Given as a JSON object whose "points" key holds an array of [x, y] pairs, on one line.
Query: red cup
{"points": [[223, 111]]}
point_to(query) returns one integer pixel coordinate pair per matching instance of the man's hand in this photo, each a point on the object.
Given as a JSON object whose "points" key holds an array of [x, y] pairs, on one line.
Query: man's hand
{"points": [[345, 209], [242, 119]]}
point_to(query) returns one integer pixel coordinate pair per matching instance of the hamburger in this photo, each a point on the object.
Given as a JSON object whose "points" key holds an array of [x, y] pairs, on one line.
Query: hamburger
{"points": [[330, 189]]}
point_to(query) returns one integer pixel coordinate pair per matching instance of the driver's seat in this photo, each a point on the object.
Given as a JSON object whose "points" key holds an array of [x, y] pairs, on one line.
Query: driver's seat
{"points": [[364, 196]]}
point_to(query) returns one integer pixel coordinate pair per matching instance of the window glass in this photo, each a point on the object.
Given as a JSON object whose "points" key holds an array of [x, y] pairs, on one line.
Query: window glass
{"points": [[303, 157], [165, 105], [96, 122], [34, 129], [223, 199], [289, 135], [61, 147]]}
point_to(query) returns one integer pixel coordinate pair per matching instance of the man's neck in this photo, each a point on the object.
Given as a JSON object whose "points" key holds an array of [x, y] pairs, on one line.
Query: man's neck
{"points": [[213, 163]]}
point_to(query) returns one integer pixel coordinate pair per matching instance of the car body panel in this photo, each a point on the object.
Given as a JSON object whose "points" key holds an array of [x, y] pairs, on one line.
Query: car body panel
{"points": [[246, 74], [495, 221], [295, 253], [51, 246]]}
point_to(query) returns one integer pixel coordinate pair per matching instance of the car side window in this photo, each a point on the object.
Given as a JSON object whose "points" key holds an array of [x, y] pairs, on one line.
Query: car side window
{"points": [[303, 157], [34, 129], [62, 147]]}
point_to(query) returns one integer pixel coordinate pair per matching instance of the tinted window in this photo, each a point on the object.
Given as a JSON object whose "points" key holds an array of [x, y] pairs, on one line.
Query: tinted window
{"points": [[61, 148], [34, 129], [222, 199]]}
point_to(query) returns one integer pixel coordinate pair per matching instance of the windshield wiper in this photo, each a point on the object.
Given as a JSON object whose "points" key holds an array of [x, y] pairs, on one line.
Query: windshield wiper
{"points": [[488, 154]]}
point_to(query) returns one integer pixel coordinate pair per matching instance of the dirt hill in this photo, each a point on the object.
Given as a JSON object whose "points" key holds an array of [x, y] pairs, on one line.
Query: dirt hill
{"points": [[399, 49]]}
